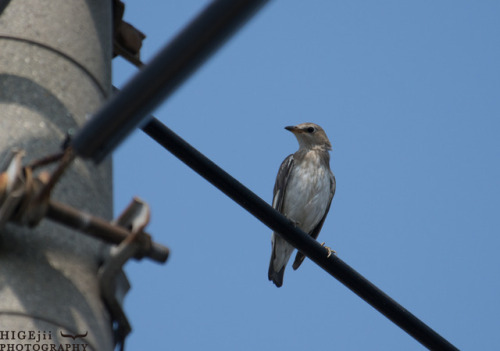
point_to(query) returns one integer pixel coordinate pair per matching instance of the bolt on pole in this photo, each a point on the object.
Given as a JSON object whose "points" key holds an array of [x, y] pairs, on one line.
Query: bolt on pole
{"points": [[54, 71]]}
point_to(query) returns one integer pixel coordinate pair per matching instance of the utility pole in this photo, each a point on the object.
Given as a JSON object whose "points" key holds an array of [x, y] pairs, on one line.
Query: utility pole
{"points": [[55, 59]]}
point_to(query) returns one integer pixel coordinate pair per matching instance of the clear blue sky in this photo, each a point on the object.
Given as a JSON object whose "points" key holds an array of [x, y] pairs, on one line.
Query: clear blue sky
{"points": [[408, 92]]}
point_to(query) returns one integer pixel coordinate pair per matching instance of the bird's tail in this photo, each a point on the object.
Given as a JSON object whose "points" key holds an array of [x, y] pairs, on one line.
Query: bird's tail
{"points": [[277, 265], [275, 276]]}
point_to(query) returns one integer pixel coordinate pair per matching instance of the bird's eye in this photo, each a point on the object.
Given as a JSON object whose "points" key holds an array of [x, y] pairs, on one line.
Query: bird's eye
{"points": [[311, 130]]}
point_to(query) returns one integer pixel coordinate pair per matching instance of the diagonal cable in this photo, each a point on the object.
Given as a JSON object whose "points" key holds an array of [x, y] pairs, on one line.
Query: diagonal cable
{"points": [[157, 80], [300, 240], [160, 78]]}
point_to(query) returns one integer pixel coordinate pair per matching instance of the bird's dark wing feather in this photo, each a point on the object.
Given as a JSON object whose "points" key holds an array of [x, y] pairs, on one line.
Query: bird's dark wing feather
{"points": [[281, 182], [299, 258], [278, 200]]}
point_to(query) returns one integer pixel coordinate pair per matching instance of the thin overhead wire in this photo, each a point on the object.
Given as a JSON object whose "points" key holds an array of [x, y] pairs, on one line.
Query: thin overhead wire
{"points": [[158, 79], [303, 242]]}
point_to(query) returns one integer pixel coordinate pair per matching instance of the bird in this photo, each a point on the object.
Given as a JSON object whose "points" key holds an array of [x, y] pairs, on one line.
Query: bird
{"points": [[303, 193]]}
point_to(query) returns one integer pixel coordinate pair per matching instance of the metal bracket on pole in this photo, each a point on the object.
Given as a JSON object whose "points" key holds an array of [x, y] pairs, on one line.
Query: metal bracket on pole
{"points": [[127, 40], [113, 282], [18, 190], [25, 199]]}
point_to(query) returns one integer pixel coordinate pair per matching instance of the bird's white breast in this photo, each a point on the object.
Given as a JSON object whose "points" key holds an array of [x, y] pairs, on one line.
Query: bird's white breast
{"points": [[308, 192]]}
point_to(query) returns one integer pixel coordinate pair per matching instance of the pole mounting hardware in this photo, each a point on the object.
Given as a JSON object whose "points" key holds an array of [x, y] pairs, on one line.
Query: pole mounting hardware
{"points": [[25, 200]]}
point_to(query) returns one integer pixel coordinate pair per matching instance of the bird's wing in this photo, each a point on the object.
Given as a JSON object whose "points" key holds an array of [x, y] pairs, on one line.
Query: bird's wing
{"points": [[299, 258], [281, 182], [278, 201]]}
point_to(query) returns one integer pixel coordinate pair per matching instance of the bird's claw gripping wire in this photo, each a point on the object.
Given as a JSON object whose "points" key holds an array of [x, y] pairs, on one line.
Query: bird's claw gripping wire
{"points": [[330, 251]]}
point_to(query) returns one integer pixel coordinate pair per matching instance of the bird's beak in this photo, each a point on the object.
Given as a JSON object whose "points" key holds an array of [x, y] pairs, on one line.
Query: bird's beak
{"points": [[293, 129]]}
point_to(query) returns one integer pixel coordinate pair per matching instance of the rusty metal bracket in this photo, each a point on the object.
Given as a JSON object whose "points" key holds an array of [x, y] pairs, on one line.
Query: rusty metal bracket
{"points": [[104, 230], [25, 200], [127, 40], [18, 191], [113, 282], [11, 187]]}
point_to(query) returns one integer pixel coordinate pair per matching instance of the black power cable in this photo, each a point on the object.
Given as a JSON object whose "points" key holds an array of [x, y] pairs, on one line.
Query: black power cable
{"points": [[158, 79], [303, 242]]}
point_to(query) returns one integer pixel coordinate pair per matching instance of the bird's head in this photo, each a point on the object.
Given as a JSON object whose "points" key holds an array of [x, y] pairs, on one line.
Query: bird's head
{"points": [[310, 135]]}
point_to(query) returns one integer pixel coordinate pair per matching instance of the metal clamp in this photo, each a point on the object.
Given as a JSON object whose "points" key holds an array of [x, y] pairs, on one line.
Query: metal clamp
{"points": [[127, 40], [25, 199], [18, 192], [113, 282]]}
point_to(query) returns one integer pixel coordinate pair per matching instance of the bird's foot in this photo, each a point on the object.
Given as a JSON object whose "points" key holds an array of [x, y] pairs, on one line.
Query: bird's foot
{"points": [[295, 223], [330, 251]]}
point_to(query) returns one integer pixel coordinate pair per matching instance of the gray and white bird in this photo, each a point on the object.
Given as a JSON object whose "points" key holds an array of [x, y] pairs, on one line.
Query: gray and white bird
{"points": [[303, 192]]}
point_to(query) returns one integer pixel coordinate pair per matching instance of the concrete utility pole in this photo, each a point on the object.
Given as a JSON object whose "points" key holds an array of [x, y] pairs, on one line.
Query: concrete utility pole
{"points": [[55, 59]]}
